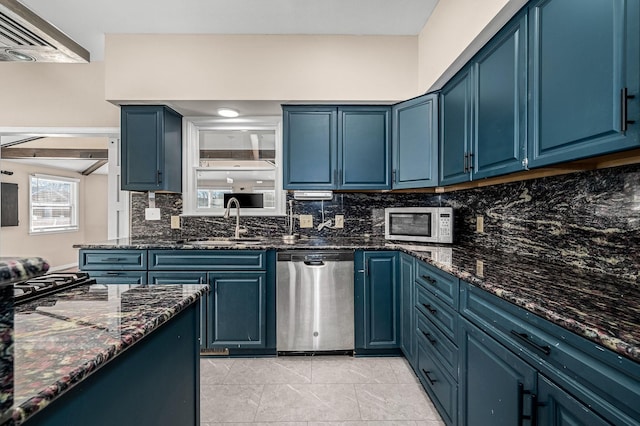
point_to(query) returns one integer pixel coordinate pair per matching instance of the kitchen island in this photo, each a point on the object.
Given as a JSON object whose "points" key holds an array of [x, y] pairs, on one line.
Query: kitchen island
{"points": [[108, 354]]}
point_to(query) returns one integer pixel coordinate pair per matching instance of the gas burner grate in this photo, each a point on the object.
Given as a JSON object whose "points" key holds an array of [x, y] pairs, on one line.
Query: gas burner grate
{"points": [[43, 285]]}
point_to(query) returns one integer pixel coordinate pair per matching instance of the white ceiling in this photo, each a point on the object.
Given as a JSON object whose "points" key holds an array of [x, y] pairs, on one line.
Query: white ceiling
{"points": [[88, 21], [74, 165]]}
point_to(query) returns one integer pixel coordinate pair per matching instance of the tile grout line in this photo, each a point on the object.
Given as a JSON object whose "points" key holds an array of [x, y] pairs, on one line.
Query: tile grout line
{"points": [[355, 391], [255, 416]]}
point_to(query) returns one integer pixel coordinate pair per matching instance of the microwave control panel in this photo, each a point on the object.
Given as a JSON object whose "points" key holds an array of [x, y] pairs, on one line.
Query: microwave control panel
{"points": [[445, 225]]}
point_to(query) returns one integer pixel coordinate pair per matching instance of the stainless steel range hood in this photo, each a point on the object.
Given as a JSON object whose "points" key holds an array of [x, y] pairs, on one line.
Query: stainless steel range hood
{"points": [[25, 37]]}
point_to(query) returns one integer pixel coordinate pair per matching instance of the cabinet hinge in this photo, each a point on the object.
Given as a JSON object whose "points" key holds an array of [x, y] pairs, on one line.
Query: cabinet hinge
{"points": [[525, 163]]}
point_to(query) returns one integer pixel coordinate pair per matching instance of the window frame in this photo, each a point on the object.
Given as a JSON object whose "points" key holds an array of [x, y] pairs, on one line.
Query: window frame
{"points": [[75, 205], [191, 161]]}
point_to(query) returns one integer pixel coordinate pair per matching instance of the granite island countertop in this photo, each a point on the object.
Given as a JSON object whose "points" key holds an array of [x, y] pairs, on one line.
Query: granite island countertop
{"points": [[600, 307], [61, 339]]}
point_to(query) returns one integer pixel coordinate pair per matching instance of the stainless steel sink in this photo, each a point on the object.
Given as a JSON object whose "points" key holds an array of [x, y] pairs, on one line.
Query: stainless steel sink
{"points": [[226, 242]]}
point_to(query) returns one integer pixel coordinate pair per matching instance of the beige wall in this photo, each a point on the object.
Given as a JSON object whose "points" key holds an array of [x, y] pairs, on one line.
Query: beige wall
{"points": [[263, 67], [55, 95], [454, 27], [56, 248], [95, 208]]}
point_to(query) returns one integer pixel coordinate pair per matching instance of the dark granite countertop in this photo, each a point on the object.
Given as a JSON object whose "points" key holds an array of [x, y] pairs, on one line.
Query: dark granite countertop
{"points": [[14, 269], [602, 308], [61, 339]]}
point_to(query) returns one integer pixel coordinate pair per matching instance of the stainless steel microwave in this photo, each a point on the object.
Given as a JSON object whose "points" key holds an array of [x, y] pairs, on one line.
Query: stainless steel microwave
{"points": [[422, 224]]}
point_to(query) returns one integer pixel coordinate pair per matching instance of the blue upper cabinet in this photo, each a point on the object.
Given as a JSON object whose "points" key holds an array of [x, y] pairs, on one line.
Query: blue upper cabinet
{"points": [[500, 103], [483, 111], [455, 129], [584, 57], [336, 147], [310, 154], [363, 141], [415, 143], [151, 148]]}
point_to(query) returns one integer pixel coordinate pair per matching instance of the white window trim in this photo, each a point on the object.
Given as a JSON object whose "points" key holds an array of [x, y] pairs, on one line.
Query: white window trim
{"points": [[191, 161], [75, 206]]}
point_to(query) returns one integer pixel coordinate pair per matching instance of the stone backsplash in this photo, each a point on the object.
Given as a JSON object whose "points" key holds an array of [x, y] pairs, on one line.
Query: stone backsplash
{"points": [[589, 219]]}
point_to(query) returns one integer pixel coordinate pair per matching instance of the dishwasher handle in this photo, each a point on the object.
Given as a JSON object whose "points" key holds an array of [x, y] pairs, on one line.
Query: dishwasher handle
{"points": [[314, 262]]}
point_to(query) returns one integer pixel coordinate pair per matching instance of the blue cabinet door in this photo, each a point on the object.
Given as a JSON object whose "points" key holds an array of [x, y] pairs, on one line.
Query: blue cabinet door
{"points": [[500, 103], [455, 129], [376, 310], [188, 277], [496, 386], [583, 56], [310, 154], [557, 407], [151, 151], [415, 143], [237, 309], [363, 141], [407, 302]]}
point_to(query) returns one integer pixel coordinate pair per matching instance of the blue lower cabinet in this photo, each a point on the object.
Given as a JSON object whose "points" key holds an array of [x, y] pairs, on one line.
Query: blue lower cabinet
{"points": [[189, 277], [441, 387], [407, 301], [497, 387], [237, 309], [376, 296]]}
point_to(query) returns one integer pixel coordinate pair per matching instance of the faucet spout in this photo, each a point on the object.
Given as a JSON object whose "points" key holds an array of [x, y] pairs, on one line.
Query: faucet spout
{"points": [[227, 211]]}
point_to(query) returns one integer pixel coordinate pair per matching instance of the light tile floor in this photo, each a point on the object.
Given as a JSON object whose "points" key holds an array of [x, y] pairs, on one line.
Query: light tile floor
{"points": [[313, 391]]}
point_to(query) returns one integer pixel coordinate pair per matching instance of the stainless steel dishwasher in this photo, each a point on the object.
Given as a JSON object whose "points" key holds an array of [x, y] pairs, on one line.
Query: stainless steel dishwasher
{"points": [[314, 301]]}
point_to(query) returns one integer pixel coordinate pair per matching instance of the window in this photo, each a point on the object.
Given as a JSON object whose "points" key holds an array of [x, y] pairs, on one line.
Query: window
{"points": [[238, 158], [53, 204]]}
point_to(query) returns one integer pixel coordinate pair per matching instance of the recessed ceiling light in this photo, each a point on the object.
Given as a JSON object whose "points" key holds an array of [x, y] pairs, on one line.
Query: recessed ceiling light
{"points": [[228, 112]]}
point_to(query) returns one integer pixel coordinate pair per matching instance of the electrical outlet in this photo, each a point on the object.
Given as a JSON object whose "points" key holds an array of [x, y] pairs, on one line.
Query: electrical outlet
{"points": [[152, 214], [480, 224], [339, 221], [480, 268], [306, 221], [175, 222]]}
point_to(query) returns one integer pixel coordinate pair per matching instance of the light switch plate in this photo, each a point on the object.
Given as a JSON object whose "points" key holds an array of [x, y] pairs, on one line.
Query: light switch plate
{"points": [[480, 224], [175, 222], [306, 221], [152, 214], [339, 221]]}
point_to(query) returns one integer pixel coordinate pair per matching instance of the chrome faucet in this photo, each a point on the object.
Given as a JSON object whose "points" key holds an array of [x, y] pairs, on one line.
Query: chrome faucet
{"points": [[226, 214]]}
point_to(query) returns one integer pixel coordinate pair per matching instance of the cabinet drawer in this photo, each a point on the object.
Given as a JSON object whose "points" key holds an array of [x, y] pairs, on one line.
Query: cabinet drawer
{"points": [[443, 285], [430, 337], [594, 375], [442, 389], [119, 277], [206, 260], [445, 318], [177, 277], [118, 260]]}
